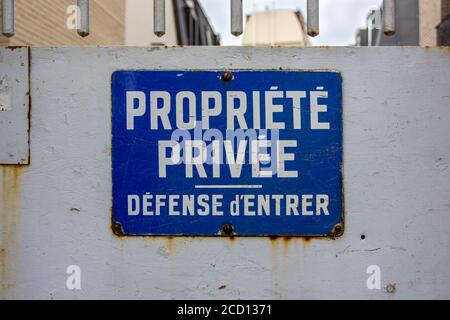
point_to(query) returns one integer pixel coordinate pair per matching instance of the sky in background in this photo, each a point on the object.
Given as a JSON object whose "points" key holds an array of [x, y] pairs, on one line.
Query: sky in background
{"points": [[339, 19]]}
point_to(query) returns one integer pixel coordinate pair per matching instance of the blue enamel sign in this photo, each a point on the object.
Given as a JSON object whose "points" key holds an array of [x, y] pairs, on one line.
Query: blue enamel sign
{"points": [[251, 153]]}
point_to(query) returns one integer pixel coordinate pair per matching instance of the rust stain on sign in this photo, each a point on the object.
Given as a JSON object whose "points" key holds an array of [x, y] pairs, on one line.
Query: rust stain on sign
{"points": [[288, 240], [9, 215]]}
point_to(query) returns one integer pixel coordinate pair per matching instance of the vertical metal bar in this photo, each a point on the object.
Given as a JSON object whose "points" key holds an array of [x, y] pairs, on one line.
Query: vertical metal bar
{"points": [[313, 17], [237, 17], [389, 17], [159, 17], [83, 22], [8, 18]]}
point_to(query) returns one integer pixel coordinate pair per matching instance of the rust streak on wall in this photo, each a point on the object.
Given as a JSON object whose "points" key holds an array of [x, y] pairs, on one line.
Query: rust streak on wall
{"points": [[170, 245], [9, 215], [287, 242]]}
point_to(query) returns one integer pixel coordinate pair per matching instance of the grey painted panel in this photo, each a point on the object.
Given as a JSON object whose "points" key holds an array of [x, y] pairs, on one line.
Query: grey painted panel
{"points": [[14, 106], [396, 184]]}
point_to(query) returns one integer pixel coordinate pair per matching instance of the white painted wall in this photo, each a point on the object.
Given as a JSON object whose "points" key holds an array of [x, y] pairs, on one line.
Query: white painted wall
{"points": [[56, 212]]}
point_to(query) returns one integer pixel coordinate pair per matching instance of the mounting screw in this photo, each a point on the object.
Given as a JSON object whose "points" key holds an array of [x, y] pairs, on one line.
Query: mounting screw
{"points": [[227, 229], [227, 76], [391, 287], [117, 228], [338, 230]]}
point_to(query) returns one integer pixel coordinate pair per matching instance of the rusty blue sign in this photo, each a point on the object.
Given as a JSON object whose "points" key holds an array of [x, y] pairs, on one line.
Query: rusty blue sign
{"points": [[204, 153]]}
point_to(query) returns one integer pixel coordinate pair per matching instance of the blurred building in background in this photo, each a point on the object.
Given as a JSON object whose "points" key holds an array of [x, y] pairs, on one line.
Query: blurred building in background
{"points": [[46, 22], [281, 27], [443, 29], [418, 23], [113, 22], [186, 24]]}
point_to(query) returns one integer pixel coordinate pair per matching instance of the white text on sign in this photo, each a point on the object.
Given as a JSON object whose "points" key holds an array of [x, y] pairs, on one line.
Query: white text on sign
{"points": [[243, 121]]}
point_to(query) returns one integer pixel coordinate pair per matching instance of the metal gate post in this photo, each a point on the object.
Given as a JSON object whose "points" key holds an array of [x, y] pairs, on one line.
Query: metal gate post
{"points": [[159, 17], [389, 17], [83, 22], [236, 17], [8, 18], [313, 17]]}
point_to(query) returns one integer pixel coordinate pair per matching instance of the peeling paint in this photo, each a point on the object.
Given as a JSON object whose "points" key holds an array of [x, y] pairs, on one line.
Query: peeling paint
{"points": [[12, 48], [391, 288], [5, 94]]}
